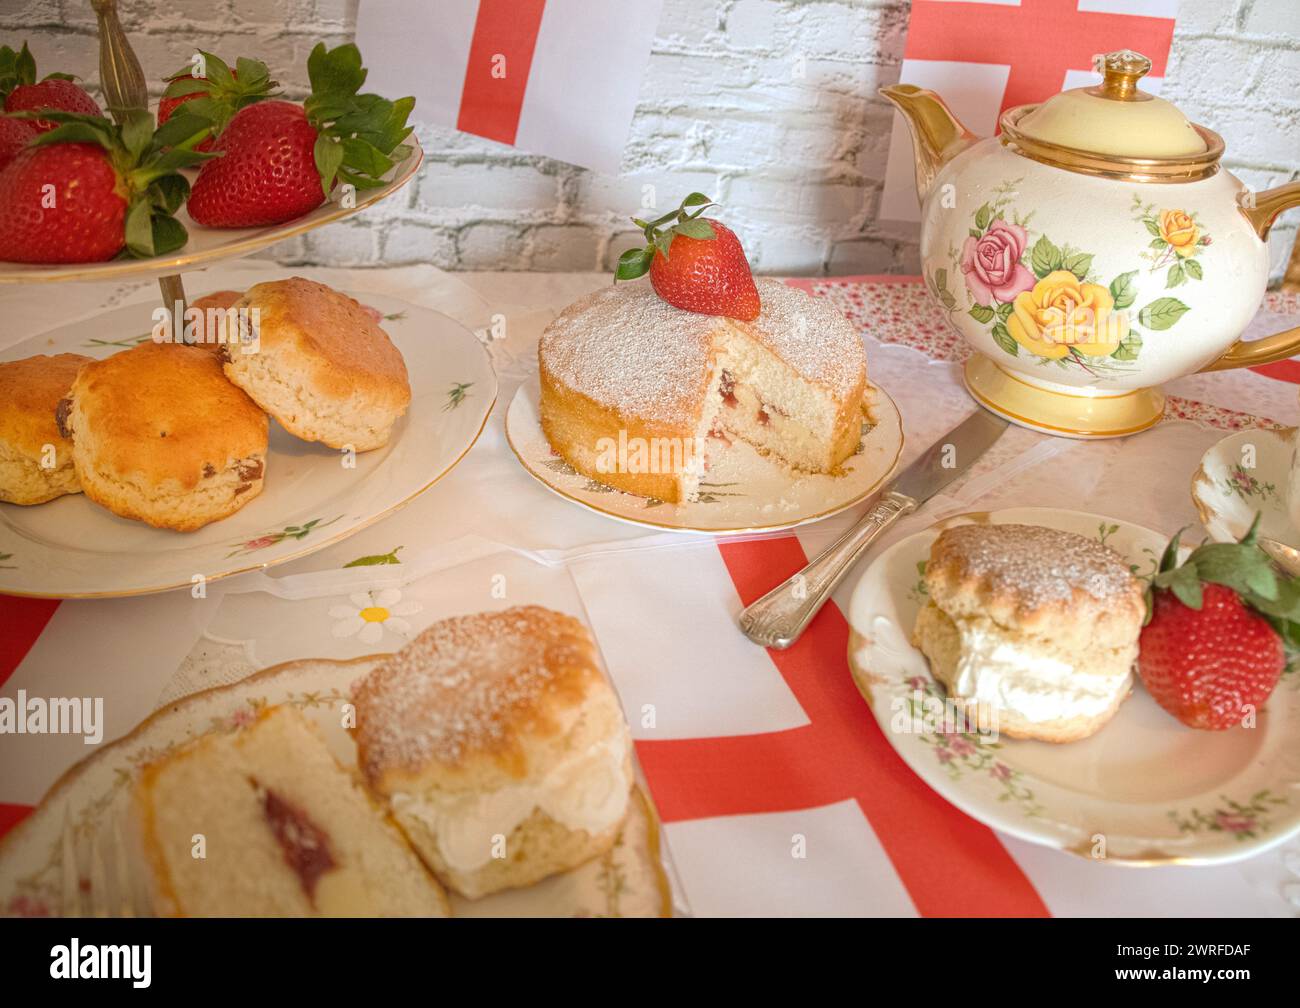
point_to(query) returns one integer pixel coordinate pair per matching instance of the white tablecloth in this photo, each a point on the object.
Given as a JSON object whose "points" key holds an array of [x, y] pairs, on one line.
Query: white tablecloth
{"points": [[662, 607]]}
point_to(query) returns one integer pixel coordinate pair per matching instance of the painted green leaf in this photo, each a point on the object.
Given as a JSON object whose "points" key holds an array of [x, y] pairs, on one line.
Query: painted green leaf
{"points": [[1193, 269], [975, 232], [1175, 276], [1162, 313], [1003, 339], [1079, 265], [1004, 311], [983, 216], [1123, 289], [1158, 243], [981, 313], [1129, 347], [1152, 226], [1044, 257], [376, 560]]}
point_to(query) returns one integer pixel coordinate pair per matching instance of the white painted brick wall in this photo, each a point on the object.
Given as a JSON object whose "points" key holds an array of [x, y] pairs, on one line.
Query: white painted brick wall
{"points": [[797, 162]]}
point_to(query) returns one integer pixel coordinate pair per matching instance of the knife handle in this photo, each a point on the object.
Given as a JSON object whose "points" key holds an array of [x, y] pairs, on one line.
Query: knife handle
{"points": [[779, 617]]}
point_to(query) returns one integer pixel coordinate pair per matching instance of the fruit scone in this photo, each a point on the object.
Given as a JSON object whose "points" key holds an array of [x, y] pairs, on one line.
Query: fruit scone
{"points": [[35, 457], [159, 435], [1033, 631], [625, 362], [318, 362], [286, 831], [499, 746]]}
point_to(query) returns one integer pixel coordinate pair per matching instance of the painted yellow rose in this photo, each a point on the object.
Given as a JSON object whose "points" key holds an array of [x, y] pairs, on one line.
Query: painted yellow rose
{"points": [[1180, 231], [1063, 312]]}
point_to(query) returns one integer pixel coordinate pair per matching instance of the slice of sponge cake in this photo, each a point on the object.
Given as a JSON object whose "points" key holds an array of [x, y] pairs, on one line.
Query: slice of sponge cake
{"points": [[265, 822]]}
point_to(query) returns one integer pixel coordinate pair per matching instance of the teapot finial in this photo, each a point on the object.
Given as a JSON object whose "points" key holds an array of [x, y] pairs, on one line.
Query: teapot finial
{"points": [[1121, 70]]}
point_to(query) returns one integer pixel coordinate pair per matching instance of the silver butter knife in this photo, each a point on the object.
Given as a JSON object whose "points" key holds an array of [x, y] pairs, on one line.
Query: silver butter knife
{"points": [[779, 617]]}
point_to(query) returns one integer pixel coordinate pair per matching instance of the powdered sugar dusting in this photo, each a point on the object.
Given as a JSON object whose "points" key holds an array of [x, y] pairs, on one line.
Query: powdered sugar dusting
{"points": [[628, 349], [459, 686], [1039, 565], [810, 335]]}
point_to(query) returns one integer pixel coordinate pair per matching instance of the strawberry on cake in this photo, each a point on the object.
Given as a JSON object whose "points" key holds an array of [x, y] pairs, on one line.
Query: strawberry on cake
{"points": [[636, 377]]}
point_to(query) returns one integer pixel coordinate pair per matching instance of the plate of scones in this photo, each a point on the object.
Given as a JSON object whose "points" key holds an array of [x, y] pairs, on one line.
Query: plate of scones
{"points": [[278, 420], [485, 769], [1010, 659], [695, 421]]}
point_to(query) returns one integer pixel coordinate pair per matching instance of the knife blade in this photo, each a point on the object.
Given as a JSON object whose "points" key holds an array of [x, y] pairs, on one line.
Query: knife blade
{"points": [[778, 618], [949, 457]]}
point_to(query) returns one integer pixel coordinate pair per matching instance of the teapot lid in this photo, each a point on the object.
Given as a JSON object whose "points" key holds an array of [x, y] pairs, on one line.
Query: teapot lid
{"points": [[1114, 117]]}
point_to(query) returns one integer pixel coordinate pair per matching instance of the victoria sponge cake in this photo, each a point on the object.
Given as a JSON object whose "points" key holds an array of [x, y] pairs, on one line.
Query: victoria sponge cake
{"points": [[318, 362], [499, 746], [35, 457], [1033, 630], [623, 363], [159, 435]]}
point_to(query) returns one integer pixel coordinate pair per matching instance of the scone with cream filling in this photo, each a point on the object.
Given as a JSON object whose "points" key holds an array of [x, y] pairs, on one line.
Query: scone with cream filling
{"points": [[1032, 630], [499, 746]]}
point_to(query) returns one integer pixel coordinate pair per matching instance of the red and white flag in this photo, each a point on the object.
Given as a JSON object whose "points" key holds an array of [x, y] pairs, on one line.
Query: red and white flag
{"points": [[985, 57], [552, 77]]}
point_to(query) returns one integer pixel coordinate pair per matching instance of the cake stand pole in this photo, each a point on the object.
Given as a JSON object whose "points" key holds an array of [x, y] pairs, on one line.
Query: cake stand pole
{"points": [[124, 87]]}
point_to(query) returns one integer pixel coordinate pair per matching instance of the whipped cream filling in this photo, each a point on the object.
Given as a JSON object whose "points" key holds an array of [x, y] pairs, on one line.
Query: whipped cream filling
{"points": [[1038, 687], [586, 790]]}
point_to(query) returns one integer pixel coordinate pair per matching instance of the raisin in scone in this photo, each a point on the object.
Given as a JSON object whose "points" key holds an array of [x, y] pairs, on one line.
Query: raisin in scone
{"points": [[159, 435]]}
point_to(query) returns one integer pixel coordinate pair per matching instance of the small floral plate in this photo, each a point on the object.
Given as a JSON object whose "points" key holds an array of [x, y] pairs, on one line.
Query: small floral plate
{"points": [[1244, 474], [628, 881], [743, 491], [312, 496], [1144, 790]]}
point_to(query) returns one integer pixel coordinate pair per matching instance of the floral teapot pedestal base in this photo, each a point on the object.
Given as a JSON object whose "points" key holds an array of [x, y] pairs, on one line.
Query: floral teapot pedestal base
{"points": [[1062, 410]]}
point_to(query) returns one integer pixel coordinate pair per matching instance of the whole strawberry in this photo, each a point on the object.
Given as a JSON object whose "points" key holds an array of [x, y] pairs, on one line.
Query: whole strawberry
{"points": [[22, 92], [694, 263], [88, 189], [1212, 650], [280, 160], [209, 88]]}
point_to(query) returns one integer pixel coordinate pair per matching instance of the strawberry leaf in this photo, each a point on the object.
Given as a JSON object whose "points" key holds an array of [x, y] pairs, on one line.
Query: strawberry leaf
{"points": [[659, 238], [15, 68], [139, 230], [696, 229], [328, 154], [1186, 587], [633, 263], [223, 92]]}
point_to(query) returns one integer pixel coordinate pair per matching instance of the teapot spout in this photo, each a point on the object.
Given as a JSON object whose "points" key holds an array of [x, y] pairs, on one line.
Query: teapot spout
{"points": [[937, 135]]}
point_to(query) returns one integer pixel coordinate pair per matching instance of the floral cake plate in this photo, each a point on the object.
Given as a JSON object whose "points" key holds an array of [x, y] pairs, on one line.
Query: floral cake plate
{"points": [[1145, 790], [1245, 474], [313, 496], [745, 492], [94, 795]]}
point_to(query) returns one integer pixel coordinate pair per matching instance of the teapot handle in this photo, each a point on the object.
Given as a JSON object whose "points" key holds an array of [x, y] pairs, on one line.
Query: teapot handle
{"points": [[1279, 346]]}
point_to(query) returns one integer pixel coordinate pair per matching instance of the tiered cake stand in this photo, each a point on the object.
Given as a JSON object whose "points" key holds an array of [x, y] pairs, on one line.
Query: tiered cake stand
{"points": [[70, 548]]}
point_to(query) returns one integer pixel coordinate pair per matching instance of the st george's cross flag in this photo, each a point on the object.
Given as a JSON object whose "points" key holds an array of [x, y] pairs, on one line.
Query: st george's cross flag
{"points": [[553, 77], [987, 56]]}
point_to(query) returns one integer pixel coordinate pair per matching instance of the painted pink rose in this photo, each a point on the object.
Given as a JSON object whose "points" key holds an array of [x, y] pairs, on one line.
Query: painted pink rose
{"points": [[261, 542], [1235, 823], [961, 746], [992, 263]]}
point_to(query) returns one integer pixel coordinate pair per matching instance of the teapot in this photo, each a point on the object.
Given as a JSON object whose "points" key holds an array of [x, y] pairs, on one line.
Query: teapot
{"points": [[1090, 252]]}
